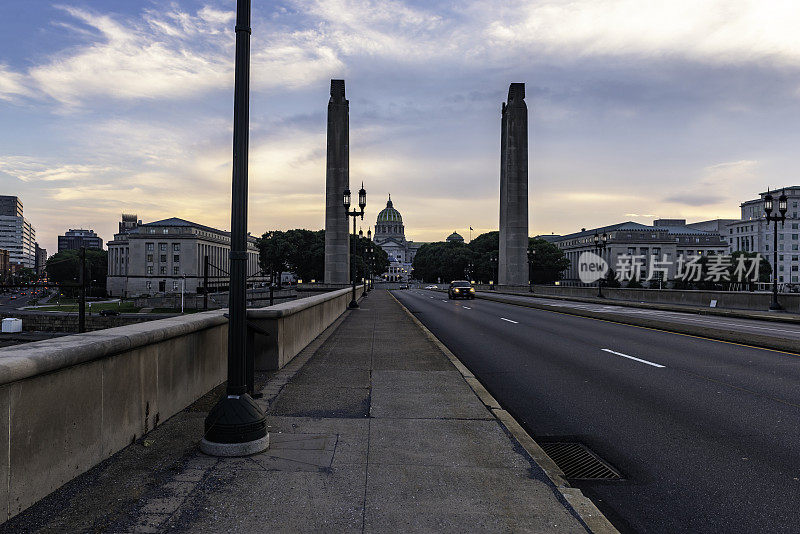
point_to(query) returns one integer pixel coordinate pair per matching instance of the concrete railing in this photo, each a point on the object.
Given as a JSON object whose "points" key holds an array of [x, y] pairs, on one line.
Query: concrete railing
{"points": [[742, 300], [68, 403]]}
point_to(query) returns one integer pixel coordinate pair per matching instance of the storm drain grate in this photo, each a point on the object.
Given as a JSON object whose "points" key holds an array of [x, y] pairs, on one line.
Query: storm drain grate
{"points": [[578, 462]]}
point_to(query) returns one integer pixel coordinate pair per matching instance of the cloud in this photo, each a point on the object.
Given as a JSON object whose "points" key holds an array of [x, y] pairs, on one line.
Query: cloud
{"points": [[12, 84], [712, 31], [170, 55], [29, 169]]}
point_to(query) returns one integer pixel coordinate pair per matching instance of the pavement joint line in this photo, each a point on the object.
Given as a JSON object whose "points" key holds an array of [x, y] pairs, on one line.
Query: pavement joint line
{"points": [[633, 358], [573, 312], [581, 504]]}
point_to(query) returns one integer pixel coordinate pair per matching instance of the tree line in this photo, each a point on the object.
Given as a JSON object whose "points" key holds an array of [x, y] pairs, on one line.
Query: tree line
{"points": [[477, 260], [303, 252]]}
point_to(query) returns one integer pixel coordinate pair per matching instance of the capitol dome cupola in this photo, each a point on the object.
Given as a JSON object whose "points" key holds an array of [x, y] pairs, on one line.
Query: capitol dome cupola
{"points": [[389, 223]]}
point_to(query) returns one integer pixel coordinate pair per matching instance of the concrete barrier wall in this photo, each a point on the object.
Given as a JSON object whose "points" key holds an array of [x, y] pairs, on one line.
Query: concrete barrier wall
{"points": [[742, 300], [33, 321], [68, 403]]}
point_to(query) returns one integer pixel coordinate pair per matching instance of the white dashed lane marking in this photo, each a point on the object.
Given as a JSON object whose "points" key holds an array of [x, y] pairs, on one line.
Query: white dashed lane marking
{"points": [[509, 320], [633, 358]]}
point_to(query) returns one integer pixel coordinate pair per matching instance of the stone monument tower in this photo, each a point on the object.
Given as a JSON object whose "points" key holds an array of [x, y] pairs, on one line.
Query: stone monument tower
{"points": [[337, 179], [513, 259]]}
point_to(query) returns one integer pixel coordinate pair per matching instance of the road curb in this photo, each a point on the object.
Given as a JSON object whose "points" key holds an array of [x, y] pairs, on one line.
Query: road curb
{"points": [[758, 341], [583, 506]]}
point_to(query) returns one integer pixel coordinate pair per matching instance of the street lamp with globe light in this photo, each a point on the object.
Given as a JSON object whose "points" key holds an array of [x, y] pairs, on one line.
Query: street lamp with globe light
{"points": [[778, 217], [362, 203]]}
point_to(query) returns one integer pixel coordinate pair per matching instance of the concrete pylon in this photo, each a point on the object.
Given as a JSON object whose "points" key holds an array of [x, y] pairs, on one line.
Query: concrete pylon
{"points": [[512, 262], [337, 179]]}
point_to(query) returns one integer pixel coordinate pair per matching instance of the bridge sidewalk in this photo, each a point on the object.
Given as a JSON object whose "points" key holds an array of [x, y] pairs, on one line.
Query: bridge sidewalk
{"points": [[372, 428]]}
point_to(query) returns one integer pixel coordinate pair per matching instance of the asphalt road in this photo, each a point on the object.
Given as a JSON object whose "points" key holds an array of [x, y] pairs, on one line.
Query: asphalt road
{"points": [[786, 330], [7, 303], [705, 433]]}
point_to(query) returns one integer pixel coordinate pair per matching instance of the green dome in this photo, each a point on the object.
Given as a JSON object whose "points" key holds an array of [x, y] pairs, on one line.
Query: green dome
{"points": [[389, 214]]}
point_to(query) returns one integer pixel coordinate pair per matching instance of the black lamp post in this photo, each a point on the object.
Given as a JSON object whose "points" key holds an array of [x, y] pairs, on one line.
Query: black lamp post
{"points": [[778, 217], [370, 251], [531, 256], [362, 203], [236, 425], [493, 260], [600, 244]]}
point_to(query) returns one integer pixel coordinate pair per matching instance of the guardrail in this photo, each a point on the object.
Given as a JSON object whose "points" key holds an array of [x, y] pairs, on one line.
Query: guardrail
{"points": [[68, 403]]}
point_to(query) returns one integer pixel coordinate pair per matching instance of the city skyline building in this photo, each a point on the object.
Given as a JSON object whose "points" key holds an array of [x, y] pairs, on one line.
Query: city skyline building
{"points": [[753, 233], [666, 240], [17, 234], [74, 239], [10, 206], [154, 258], [41, 258]]}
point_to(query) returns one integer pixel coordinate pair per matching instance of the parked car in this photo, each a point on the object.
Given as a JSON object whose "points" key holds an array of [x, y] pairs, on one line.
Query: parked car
{"points": [[461, 289], [108, 313]]}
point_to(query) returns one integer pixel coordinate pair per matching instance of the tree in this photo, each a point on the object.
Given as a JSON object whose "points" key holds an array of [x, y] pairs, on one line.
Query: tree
{"points": [[548, 261], [273, 253], [442, 260], [303, 253], [63, 268], [306, 253]]}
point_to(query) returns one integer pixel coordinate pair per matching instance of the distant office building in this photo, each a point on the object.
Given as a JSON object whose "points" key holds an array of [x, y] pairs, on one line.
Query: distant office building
{"points": [[41, 258], [77, 238], [153, 258], [666, 239], [754, 234], [10, 206], [17, 235], [5, 265]]}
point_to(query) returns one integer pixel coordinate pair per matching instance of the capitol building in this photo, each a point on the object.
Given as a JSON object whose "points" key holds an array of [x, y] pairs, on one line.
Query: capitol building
{"points": [[390, 236]]}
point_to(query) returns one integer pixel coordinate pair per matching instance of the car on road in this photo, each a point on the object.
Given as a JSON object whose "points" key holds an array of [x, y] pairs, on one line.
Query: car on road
{"points": [[461, 289], [431, 287], [108, 313]]}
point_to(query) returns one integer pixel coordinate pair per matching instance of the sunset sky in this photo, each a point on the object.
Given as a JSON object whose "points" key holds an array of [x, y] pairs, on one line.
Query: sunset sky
{"points": [[637, 109]]}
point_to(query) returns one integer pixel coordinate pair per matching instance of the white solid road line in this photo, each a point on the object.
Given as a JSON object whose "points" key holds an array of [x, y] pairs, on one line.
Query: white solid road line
{"points": [[632, 358], [509, 320]]}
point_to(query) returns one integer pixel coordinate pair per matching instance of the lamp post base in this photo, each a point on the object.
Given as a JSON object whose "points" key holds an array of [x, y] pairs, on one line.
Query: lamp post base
{"points": [[235, 427], [353, 304], [775, 307]]}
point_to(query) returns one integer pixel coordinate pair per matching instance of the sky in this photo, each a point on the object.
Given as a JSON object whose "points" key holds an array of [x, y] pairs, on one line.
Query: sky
{"points": [[637, 110]]}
